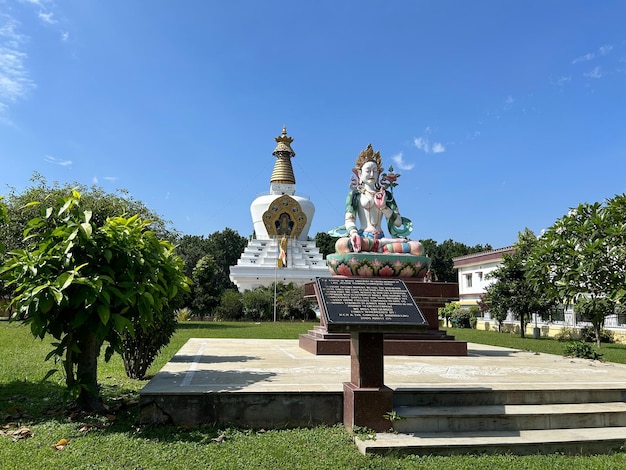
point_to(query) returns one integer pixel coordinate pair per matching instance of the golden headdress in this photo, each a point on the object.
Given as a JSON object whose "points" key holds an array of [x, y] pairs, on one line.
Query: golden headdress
{"points": [[368, 155]]}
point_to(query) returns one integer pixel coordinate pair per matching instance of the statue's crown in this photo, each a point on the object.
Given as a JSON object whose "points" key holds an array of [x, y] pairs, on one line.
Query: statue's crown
{"points": [[368, 155]]}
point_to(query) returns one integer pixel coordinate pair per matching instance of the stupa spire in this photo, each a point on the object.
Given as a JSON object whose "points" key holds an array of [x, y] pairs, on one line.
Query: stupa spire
{"points": [[283, 171]]}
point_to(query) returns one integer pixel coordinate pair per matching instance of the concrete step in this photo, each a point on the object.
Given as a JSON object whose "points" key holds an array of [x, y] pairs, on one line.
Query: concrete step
{"points": [[517, 396], [509, 417], [566, 441]]}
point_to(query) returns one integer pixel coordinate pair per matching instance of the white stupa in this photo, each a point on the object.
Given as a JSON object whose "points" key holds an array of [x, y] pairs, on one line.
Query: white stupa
{"points": [[281, 219]]}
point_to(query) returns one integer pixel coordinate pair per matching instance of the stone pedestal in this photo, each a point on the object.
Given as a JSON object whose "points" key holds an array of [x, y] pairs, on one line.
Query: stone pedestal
{"points": [[366, 398]]}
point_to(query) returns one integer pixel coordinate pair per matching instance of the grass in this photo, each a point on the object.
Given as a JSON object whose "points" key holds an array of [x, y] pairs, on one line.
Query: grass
{"points": [[611, 352], [117, 441]]}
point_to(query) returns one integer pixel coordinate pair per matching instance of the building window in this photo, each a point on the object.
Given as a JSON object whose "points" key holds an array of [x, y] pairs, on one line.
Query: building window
{"points": [[480, 276], [468, 280]]}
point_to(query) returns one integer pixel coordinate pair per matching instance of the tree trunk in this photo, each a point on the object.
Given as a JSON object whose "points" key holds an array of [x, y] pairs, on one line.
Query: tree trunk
{"points": [[522, 326], [87, 373]]}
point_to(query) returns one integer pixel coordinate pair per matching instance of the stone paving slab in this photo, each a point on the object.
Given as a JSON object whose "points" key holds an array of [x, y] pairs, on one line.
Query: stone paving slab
{"points": [[205, 365]]}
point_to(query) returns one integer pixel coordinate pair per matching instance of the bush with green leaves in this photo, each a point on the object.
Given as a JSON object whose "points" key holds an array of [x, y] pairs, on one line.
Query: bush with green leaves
{"points": [[567, 334], [582, 350], [183, 314], [588, 334], [205, 292], [257, 304], [294, 306], [447, 311], [461, 318], [86, 283], [230, 307], [141, 346]]}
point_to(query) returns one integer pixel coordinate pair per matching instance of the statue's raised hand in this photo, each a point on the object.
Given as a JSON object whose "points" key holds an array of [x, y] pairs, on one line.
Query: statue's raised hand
{"points": [[355, 238], [380, 198]]}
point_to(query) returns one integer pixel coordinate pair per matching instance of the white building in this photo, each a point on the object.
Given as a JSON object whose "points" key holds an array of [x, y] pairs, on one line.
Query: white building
{"points": [[473, 281], [473, 270], [280, 217]]}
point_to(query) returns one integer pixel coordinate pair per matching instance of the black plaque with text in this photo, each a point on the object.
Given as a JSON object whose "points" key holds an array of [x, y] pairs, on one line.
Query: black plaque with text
{"points": [[366, 304]]}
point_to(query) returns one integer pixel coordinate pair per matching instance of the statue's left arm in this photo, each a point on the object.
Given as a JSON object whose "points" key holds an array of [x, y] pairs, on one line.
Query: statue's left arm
{"points": [[397, 225]]}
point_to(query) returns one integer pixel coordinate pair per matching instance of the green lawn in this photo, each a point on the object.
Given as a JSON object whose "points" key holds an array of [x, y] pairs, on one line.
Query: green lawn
{"points": [[610, 352], [117, 441]]}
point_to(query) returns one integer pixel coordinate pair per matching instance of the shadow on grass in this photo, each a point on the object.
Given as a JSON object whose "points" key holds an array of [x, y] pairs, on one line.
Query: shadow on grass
{"points": [[31, 401]]}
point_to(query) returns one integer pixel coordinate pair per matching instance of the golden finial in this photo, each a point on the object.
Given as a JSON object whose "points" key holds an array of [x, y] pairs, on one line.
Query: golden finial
{"points": [[284, 143], [283, 172]]}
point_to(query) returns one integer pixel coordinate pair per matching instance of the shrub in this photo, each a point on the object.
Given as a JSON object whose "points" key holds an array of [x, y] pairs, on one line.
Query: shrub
{"points": [[567, 334], [257, 304], [294, 306], [461, 318], [588, 334], [140, 350], [230, 307], [183, 314], [582, 350]]}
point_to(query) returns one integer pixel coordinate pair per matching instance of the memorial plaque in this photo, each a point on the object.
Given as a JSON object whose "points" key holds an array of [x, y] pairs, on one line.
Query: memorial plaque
{"points": [[366, 304]]}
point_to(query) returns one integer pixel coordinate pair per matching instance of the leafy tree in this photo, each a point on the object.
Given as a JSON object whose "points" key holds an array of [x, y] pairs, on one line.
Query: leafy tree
{"points": [[441, 264], [257, 304], [583, 254], [294, 305], [325, 243], [225, 247], [230, 307], [84, 283], [206, 292], [595, 311], [513, 289], [499, 310], [447, 311], [100, 203], [191, 248]]}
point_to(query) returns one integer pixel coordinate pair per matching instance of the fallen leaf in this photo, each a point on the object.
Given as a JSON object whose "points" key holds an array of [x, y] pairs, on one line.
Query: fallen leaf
{"points": [[220, 438], [21, 433], [61, 444]]}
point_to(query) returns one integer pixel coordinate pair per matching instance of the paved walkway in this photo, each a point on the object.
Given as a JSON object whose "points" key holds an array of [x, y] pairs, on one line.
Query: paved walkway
{"points": [[253, 365]]}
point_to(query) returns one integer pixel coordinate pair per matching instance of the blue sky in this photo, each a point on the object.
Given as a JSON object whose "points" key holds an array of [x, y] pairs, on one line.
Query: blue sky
{"points": [[499, 115]]}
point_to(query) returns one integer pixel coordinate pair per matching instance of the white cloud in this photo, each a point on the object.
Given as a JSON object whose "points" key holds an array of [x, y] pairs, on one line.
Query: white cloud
{"points": [[509, 100], [47, 17], [421, 144], [595, 73], [584, 58], [563, 80], [604, 50], [424, 145], [400, 163], [57, 161], [94, 180], [65, 36], [14, 80], [438, 147], [110, 178], [37, 3]]}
